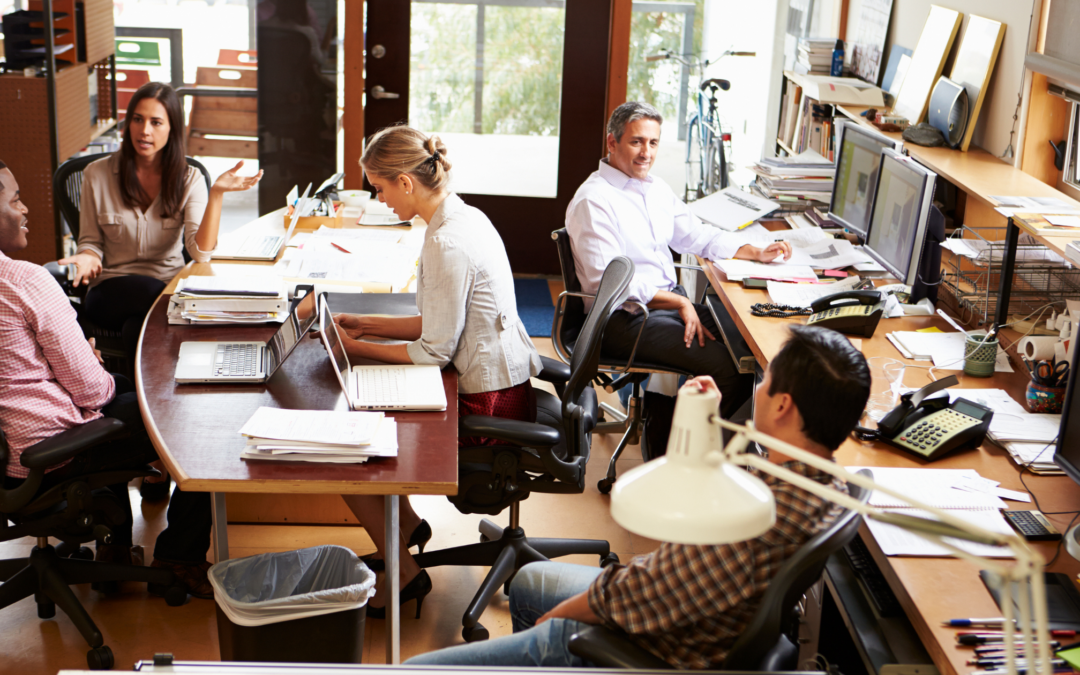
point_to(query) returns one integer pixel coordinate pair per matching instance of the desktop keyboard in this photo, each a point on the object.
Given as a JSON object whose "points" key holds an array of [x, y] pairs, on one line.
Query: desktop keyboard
{"points": [[381, 385], [237, 360], [872, 578], [260, 246]]}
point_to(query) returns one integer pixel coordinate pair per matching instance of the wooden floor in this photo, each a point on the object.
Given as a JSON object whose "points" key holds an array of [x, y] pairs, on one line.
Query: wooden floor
{"points": [[136, 625]]}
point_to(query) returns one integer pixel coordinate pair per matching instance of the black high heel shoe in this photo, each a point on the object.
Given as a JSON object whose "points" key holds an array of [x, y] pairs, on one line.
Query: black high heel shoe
{"points": [[417, 589], [420, 536]]}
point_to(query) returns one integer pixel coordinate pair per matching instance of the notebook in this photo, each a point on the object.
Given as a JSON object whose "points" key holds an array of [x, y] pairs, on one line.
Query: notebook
{"points": [[245, 361], [380, 387]]}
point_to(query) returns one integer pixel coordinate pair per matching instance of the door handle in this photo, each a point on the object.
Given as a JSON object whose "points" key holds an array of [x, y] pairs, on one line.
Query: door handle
{"points": [[378, 92]]}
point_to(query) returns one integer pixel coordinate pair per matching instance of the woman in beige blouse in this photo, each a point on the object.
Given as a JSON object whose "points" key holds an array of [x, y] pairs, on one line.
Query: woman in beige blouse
{"points": [[468, 316]]}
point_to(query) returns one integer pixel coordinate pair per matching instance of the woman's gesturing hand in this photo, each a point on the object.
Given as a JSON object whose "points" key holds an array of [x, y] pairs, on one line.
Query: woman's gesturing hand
{"points": [[87, 267], [230, 181]]}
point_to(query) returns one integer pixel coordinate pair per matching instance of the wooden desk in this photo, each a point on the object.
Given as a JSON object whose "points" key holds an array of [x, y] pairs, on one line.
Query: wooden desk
{"points": [[929, 589]]}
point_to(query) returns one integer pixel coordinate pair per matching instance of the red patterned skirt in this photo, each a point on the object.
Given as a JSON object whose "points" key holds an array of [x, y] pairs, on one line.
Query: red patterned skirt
{"points": [[515, 403]]}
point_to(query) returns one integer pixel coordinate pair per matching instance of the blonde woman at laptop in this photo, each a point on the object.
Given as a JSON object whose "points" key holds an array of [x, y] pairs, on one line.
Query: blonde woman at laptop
{"points": [[468, 316]]}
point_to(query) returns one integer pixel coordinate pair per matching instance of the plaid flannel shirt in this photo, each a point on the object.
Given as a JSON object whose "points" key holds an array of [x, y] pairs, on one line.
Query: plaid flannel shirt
{"points": [[688, 604]]}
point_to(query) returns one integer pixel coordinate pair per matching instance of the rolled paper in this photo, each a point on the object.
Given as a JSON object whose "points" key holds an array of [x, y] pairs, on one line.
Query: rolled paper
{"points": [[1037, 348]]}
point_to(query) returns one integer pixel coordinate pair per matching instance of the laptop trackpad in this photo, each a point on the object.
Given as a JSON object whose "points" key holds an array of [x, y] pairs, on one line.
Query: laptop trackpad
{"points": [[199, 359]]}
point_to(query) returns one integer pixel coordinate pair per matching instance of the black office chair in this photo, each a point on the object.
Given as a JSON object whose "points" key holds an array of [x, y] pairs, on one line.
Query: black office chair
{"points": [[548, 456], [73, 509], [770, 641], [614, 373], [67, 189]]}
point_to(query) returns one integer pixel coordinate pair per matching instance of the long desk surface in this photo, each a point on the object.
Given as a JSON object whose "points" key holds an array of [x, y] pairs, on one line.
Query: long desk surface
{"points": [[930, 590]]}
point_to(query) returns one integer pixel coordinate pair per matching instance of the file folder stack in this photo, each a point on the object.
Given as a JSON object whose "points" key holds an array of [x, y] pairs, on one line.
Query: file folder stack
{"points": [[215, 300], [328, 436]]}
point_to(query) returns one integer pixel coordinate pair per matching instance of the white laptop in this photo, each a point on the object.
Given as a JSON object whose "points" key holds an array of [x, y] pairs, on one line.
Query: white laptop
{"points": [[246, 361], [382, 387], [265, 246]]}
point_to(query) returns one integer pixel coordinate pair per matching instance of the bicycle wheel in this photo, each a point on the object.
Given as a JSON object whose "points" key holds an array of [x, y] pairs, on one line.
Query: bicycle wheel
{"points": [[694, 173], [716, 169]]}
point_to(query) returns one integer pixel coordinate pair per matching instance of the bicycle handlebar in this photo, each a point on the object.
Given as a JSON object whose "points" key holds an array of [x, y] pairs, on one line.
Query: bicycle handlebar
{"points": [[742, 53], [657, 57]]}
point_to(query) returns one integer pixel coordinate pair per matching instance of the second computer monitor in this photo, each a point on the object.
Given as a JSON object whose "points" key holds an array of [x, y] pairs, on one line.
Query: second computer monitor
{"points": [[899, 215], [857, 159]]}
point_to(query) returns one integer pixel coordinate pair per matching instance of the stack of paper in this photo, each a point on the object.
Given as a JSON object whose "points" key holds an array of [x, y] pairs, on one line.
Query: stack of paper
{"points": [[946, 350], [379, 214], [228, 299], [342, 437], [947, 489], [731, 209], [798, 183], [737, 270], [1028, 437]]}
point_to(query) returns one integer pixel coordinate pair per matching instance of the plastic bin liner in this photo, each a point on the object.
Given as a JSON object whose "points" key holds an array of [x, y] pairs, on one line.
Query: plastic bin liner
{"points": [[275, 587]]}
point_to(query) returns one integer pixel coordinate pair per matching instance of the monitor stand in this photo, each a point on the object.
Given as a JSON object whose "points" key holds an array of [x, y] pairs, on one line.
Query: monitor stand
{"points": [[930, 275]]}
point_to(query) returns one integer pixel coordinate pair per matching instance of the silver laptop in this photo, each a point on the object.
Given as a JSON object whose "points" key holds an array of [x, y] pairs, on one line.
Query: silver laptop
{"points": [[266, 246], [382, 387], [246, 361]]}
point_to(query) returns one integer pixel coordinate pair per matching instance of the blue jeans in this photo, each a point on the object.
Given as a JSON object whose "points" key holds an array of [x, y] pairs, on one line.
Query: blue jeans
{"points": [[536, 589]]}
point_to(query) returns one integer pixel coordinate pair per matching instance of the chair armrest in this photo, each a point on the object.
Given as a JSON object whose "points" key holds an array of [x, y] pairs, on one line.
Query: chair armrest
{"points": [[554, 371], [697, 268], [67, 444], [611, 649], [523, 434]]}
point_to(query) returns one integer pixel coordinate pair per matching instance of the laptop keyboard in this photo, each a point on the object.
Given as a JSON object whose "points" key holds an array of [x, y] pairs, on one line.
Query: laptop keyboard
{"points": [[382, 385], [237, 360], [261, 246]]}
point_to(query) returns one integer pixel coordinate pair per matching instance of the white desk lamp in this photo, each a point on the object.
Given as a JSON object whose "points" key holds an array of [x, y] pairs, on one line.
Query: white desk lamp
{"points": [[698, 494]]}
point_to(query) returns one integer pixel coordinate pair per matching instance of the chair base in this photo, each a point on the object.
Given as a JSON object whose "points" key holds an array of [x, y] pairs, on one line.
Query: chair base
{"points": [[632, 426], [505, 551], [48, 577]]}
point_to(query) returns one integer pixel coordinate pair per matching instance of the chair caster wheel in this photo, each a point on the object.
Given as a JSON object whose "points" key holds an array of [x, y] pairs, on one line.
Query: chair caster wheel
{"points": [[46, 609], [609, 559], [474, 633], [484, 539], [176, 595], [83, 553], [604, 486], [100, 658]]}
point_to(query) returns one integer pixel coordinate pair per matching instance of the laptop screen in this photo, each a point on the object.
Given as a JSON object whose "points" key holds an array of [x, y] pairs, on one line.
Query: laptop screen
{"points": [[291, 332], [332, 341]]}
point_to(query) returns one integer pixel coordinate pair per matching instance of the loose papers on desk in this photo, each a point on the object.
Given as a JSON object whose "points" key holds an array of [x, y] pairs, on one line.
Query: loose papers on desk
{"points": [[363, 257], [802, 295], [946, 350], [731, 209], [936, 488], [319, 435], [828, 254], [737, 270]]}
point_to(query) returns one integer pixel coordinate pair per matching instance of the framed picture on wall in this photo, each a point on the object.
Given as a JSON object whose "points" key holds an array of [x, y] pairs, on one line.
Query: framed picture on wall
{"points": [[867, 46]]}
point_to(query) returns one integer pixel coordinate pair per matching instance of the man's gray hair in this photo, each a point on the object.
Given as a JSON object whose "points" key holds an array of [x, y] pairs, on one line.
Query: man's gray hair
{"points": [[628, 112]]}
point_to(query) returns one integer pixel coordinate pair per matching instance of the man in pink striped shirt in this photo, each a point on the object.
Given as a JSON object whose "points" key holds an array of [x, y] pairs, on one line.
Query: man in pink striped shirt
{"points": [[52, 380]]}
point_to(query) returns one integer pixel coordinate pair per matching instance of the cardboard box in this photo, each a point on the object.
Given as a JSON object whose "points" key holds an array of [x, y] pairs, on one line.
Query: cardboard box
{"points": [[312, 223]]}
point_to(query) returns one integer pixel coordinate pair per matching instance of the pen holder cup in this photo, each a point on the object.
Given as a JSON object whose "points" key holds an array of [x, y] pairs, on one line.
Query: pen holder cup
{"points": [[979, 356], [1043, 399]]}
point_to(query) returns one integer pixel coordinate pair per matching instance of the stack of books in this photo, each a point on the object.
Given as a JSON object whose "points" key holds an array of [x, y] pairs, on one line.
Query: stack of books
{"points": [[240, 299], [327, 436], [798, 183], [815, 56]]}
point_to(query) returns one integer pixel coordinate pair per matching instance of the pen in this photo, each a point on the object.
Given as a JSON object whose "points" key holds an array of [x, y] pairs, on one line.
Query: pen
{"points": [[1001, 662], [1054, 633], [990, 639], [340, 248], [964, 623]]}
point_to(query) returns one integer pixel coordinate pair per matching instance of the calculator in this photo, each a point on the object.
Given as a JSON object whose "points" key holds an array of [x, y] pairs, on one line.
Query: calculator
{"points": [[1033, 525]]}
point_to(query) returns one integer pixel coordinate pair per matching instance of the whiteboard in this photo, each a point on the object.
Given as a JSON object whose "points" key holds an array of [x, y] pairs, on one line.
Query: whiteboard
{"points": [[927, 62]]}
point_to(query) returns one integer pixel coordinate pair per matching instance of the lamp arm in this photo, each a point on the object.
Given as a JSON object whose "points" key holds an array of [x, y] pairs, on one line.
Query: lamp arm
{"points": [[1026, 572]]}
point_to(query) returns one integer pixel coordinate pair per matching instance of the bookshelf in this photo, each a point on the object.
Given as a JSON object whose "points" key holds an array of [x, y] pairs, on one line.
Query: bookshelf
{"points": [[48, 117]]}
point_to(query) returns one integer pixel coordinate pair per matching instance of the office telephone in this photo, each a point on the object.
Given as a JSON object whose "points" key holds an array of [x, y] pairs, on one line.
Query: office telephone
{"points": [[852, 312], [930, 426]]}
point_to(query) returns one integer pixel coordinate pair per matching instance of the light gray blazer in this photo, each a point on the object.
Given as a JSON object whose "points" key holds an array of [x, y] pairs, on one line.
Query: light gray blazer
{"points": [[465, 294]]}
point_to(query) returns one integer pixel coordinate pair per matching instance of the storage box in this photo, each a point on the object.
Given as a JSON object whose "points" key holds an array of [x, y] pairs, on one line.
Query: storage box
{"points": [[313, 223]]}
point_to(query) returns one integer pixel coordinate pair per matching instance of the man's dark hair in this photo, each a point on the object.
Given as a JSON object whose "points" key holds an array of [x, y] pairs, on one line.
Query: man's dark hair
{"points": [[2, 167], [628, 112], [827, 378]]}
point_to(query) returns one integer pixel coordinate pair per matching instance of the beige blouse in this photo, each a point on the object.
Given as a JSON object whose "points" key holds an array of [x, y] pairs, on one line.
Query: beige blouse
{"points": [[130, 241]]}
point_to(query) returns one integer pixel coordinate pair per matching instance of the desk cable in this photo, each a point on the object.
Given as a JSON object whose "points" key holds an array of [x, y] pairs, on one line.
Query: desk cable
{"points": [[778, 311], [1075, 514]]}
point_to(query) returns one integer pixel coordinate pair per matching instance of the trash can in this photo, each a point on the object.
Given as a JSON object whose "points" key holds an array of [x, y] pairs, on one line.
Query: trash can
{"points": [[303, 606]]}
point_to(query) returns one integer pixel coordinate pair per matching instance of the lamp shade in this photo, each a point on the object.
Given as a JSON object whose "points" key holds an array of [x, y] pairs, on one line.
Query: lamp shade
{"points": [[690, 495]]}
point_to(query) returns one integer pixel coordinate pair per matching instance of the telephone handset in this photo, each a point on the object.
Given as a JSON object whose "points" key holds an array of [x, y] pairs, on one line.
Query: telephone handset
{"points": [[852, 312], [930, 426]]}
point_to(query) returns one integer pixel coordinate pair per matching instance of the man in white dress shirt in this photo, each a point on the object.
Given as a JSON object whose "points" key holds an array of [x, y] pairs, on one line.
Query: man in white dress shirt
{"points": [[622, 210]]}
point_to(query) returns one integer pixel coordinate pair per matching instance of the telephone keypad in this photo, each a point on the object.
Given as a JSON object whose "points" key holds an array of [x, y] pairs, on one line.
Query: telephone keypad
{"points": [[932, 430]]}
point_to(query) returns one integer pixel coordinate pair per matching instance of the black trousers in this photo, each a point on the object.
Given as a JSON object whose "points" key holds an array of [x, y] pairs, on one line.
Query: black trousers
{"points": [[662, 343], [186, 538], [122, 303]]}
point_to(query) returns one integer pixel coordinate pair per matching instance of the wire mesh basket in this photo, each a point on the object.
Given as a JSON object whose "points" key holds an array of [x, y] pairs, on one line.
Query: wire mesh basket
{"points": [[973, 274]]}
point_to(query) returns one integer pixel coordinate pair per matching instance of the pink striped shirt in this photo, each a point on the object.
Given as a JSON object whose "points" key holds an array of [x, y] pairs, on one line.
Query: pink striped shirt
{"points": [[50, 380]]}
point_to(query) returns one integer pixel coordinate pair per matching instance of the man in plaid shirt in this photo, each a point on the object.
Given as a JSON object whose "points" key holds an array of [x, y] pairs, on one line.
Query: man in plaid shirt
{"points": [[52, 380], [688, 604]]}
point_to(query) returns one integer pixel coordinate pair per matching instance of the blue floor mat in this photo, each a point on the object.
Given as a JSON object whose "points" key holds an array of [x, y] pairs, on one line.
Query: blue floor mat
{"points": [[534, 306]]}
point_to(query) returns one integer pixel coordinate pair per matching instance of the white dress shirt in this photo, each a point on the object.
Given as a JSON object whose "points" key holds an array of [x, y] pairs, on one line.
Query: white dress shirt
{"points": [[465, 293], [613, 214]]}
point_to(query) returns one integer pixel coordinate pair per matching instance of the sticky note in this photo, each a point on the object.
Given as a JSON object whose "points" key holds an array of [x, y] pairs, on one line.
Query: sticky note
{"points": [[1071, 656], [931, 329]]}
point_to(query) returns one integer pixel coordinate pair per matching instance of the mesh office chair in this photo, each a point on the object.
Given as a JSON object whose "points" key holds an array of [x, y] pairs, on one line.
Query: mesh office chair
{"points": [[74, 509], [548, 456], [67, 189], [770, 641], [613, 373]]}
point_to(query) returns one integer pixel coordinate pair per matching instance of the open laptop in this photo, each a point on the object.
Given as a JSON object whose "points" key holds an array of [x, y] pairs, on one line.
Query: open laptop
{"points": [[266, 246], [381, 387], [246, 361]]}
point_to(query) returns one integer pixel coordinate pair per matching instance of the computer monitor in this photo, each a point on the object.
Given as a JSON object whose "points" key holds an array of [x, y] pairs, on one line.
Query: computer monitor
{"points": [[1067, 452], [899, 215], [857, 160]]}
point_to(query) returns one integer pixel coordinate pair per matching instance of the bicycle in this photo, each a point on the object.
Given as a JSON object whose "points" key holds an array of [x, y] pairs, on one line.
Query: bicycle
{"points": [[708, 146]]}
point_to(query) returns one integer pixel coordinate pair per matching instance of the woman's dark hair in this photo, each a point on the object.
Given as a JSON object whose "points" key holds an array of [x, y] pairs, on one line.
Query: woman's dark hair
{"points": [[827, 378], [173, 162]]}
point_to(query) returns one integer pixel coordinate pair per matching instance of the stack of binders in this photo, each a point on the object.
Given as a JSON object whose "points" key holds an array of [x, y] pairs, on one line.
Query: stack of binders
{"points": [[326, 436], [216, 300]]}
